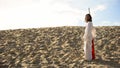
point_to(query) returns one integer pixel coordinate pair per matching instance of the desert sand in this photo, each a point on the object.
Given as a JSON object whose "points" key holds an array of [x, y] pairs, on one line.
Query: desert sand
{"points": [[58, 47]]}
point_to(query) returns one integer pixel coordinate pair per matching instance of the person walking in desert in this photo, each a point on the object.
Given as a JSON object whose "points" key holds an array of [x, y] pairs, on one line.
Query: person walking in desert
{"points": [[88, 37]]}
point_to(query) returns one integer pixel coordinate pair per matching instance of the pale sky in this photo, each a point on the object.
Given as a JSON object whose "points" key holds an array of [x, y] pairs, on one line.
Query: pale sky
{"points": [[16, 14]]}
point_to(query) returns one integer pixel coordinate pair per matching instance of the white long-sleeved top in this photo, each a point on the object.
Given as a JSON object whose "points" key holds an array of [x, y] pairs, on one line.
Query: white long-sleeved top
{"points": [[90, 32]]}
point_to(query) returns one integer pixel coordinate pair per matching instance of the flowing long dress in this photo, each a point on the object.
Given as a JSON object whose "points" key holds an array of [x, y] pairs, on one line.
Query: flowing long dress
{"points": [[89, 36]]}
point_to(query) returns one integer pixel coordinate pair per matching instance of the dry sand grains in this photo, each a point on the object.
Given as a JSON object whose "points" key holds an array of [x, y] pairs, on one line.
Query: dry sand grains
{"points": [[58, 47]]}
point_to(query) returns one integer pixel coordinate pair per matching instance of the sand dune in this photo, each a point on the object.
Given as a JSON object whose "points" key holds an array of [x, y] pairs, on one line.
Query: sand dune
{"points": [[58, 47]]}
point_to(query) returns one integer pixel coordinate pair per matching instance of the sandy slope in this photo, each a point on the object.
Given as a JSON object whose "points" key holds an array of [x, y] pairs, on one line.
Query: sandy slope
{"points": [[58, 47]]}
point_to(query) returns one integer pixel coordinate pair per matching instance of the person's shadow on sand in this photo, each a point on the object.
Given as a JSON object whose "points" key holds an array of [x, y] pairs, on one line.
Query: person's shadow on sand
{"points": [[112, 63]]}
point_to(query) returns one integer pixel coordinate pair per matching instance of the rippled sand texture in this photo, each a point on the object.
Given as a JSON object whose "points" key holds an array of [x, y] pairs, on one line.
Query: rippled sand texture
{"points": [[58, 47]]}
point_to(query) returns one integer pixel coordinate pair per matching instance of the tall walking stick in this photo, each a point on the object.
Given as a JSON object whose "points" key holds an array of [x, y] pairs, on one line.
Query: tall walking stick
{"points": [[93, 50]]}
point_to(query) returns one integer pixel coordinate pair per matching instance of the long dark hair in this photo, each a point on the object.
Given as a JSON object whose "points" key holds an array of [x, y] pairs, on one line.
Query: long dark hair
{"points": [[88, 18]]}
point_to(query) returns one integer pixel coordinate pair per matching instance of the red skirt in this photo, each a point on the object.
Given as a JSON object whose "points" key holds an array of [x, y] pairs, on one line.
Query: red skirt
{"points": [[93, 51]]}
